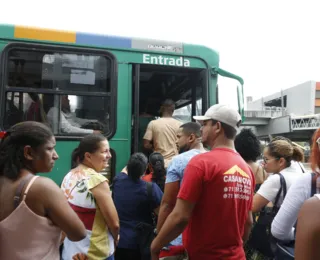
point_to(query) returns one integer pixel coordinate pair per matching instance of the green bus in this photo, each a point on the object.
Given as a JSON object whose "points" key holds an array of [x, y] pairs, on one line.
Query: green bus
{"points": [[80, 82]]}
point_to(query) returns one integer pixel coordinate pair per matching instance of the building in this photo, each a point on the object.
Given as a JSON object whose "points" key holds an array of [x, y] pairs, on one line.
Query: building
{"points": [[302, 99], [292, 112]]}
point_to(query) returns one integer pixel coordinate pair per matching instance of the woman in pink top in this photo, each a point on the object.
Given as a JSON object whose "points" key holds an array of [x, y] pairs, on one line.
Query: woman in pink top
{"points": [[33, 209]]}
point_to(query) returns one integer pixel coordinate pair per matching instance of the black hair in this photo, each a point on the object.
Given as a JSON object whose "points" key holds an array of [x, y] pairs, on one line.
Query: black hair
{"points": [[156, 160], [12, 159], [229, 131], [168, 105], [137, 165], [88, 144], [248, 145], [191, 128]]}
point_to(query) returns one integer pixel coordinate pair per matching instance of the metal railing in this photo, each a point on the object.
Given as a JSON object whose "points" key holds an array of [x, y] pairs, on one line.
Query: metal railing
{"points": [[310, 122], [264, 113]]}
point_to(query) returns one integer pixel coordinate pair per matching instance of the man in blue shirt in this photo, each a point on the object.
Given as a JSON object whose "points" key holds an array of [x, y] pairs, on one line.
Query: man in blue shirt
{"points": [[189, 144]]}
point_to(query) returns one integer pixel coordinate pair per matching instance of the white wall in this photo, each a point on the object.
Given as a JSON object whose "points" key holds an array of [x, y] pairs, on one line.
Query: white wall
{"points": [[300, 99]]}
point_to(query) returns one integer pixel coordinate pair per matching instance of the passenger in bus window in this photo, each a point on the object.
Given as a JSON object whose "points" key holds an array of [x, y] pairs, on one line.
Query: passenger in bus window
{"points": [[161, 134], [69, 123], [33, 209]]}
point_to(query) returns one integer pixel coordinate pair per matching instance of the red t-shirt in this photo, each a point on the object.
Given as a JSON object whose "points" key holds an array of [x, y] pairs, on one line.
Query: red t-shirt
{"points": [[148, 177], [221, 185]]}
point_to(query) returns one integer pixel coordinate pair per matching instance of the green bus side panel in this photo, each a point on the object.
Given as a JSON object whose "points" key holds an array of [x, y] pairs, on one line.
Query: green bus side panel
{"points": [[121, 142], [7, 31], [212, 59], [193, 57], [209, 55]]}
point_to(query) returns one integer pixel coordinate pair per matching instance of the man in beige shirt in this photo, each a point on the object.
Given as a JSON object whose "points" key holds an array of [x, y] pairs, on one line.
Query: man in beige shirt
{"points": [[161, 134]]}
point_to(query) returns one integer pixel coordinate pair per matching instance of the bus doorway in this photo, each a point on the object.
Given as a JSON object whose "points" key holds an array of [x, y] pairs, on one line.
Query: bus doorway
{"points": [[152, 84]]}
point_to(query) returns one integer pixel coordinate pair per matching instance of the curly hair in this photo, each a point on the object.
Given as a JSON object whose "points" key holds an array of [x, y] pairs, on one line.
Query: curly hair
{"points": [[248, 145]]}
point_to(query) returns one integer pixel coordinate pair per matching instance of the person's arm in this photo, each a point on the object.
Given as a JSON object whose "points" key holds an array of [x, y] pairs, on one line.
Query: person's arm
{"points": [[173, 227], [267, 193], [176, 222], [168, 202], [103, 198], [156, 198], [147, 138], [58, 210], [308, 231], [282, 226], [247, 227], [65, 126], [125, 170], [259, 202], [171, 190], [82, 121]]}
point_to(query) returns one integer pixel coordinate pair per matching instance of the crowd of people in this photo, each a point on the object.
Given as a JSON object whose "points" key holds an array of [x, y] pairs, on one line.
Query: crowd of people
{"points": [[197, 191]]}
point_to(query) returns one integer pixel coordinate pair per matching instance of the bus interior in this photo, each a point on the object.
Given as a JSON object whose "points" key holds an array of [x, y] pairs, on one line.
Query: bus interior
{"points": [[152, 84]]}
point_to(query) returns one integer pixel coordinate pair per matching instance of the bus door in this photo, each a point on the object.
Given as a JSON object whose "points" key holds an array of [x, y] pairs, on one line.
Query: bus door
{"points": [[152, 84], [135, 107]]}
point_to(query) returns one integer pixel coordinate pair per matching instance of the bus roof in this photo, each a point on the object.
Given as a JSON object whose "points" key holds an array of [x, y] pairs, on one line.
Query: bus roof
{"points": [[34, 34]]}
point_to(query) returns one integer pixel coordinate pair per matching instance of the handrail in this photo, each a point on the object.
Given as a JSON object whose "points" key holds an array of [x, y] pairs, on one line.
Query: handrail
{"points": [[264, 113]]}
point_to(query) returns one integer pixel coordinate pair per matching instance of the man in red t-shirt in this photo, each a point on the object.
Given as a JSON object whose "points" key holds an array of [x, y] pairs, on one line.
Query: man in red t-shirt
{"points": [[215, 200]]}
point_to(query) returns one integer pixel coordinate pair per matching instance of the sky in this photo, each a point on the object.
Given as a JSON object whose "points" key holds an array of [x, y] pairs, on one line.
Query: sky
{"points": [[271, 44]]}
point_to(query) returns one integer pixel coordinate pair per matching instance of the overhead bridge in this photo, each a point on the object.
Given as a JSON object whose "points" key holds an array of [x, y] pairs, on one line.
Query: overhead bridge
{"points": [[308, 122], [257, 118], [269, 123]]}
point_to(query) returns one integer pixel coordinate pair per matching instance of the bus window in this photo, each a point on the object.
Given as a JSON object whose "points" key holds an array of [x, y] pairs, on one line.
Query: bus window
{"points": [[228, 91], [69, 90], [184, 113]]}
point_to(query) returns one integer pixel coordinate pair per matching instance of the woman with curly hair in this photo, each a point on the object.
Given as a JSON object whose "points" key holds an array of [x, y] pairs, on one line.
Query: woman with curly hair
{"points": [[248, 146]]}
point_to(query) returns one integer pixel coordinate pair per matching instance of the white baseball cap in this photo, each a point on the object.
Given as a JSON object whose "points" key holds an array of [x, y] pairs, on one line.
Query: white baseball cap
{"points": [[222, 113]]}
